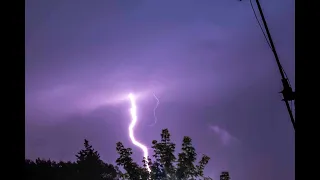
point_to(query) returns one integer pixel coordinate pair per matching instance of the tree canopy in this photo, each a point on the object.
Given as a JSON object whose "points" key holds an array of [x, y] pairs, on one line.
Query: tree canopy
{"points": [[164, 164]]}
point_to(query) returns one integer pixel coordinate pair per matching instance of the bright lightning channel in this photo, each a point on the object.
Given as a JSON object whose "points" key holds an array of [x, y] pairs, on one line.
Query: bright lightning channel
{"points": [[134, 117]]}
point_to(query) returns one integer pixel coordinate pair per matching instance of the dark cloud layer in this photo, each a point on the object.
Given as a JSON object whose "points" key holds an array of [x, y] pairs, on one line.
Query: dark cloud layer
{"points": [[207, 61]]}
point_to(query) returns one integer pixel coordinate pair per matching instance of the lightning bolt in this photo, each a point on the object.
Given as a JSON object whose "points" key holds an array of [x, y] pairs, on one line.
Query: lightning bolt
{"points": [[154, 110], [134, 118]]}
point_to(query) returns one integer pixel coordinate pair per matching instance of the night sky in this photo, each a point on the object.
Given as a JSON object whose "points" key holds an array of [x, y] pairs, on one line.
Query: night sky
{"points": [[206, 60]]}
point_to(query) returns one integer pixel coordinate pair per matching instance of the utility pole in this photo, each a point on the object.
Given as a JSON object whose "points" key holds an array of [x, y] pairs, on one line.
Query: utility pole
{"points": [[288, 94]]}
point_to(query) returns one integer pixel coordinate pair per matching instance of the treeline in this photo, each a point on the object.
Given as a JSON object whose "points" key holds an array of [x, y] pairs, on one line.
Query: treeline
{"points": [[89, 166]]}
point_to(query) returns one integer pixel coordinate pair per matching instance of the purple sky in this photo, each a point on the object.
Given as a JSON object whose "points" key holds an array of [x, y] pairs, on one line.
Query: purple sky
{"points": [[206, 60]]}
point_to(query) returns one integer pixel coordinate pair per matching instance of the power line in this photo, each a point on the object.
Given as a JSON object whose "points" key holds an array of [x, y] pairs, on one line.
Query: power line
{"points": [[288, 94], [255, 15]]}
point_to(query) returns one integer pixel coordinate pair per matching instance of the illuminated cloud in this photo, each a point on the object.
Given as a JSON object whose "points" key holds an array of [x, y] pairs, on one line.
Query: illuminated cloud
{"points": [[225, 137]]}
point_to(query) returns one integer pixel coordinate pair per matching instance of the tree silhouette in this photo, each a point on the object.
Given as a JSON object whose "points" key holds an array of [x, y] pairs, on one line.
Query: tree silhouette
{"points": [[133, 171], [47, 169], [66, 170], [225, 175], [164, 165], [164, 156], [185, 167], [90, 166]]}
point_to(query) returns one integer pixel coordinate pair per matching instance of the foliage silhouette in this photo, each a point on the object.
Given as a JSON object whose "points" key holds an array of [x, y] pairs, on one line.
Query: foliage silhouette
{"points": [[164, 164], [225, 175]]}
